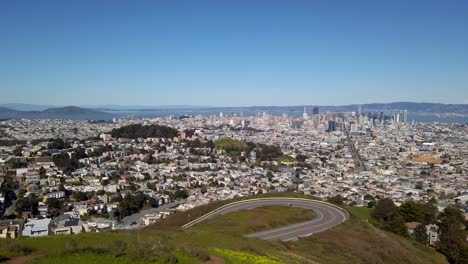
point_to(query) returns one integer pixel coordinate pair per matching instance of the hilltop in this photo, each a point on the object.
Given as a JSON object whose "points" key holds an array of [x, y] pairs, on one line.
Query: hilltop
{"points": [[70, 110], [58, 112], [220, 240]]}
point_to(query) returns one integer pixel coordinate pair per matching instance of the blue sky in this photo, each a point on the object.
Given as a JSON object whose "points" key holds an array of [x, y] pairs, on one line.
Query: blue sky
{"points": [[233, 53]]}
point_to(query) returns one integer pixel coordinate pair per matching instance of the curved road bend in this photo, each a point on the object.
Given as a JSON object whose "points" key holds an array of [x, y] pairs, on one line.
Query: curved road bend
{"points": [[328, 216]]}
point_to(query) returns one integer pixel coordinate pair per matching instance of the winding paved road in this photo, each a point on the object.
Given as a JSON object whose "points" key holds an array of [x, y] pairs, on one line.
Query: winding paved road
{"points": [[328, 216]]}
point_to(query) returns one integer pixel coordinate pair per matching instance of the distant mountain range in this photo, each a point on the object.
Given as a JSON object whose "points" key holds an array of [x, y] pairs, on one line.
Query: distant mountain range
{"points": [[27, 107], [108, 111], [71, 110], [410, 106], [107, 107], [433, 108], [142, 107], [68, 112], [414, 108]]}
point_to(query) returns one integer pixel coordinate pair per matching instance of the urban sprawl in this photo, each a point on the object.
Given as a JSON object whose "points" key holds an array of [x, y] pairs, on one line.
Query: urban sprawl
{"points": [[69, 177]]}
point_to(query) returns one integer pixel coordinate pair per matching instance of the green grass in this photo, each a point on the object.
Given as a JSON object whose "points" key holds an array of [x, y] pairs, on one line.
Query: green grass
{"points": [[86, 257], [230, 144], [233, 257], [181, 218], [363, 213], [255, 220], [355, 241], [286, 159], [4, 255], [90, 257]]}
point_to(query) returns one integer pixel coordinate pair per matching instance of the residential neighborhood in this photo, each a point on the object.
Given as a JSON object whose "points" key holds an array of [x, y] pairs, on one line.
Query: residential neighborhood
{"points": [[63, 177]]}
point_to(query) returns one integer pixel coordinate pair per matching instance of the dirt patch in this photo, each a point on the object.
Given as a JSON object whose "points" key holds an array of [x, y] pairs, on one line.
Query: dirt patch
{"points": [[255, 219], [25, 259], [428, 159], [216, 260]]}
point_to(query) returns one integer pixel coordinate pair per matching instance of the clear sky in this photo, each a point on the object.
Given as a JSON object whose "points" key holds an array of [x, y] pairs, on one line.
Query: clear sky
{"points": [[233, 53]]}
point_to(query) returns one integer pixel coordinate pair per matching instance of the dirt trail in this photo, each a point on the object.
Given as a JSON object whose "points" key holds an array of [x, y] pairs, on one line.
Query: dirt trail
{"points": [[216, 260], [24, 259]]}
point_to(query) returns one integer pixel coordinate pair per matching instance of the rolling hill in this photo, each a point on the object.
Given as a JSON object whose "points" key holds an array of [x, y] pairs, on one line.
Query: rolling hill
{"points": [[221, 240], [68, 112]]}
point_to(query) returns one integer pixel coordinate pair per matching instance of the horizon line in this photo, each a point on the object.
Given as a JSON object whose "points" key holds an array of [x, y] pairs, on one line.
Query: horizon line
{"points": [[94, 106]]}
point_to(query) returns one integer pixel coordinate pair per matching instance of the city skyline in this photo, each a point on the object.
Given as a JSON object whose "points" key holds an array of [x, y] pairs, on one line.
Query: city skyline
{"points": [[232, 54], [264, 131]]}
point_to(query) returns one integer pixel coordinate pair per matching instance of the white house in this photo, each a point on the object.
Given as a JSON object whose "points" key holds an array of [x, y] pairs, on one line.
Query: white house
{"points": [[37, 228], [432, 233]]}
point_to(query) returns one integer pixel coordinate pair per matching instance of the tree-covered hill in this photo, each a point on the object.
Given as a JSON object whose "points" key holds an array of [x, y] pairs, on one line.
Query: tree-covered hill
{"points": [[140, 131]]}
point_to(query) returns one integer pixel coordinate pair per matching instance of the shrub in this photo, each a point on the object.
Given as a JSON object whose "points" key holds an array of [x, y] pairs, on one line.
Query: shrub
{"points": [[119, 248], [169, 258], [200, 254], [152, 249]]}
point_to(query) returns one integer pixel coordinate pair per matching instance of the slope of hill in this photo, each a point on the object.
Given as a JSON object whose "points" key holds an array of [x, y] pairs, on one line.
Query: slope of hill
{"points": [[27, 107], [68, 112], [6, 110], [220, 240]]}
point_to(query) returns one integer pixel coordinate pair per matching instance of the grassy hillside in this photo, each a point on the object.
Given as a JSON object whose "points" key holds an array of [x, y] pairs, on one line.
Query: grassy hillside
{"points": [[220, 240], [255, 220]]}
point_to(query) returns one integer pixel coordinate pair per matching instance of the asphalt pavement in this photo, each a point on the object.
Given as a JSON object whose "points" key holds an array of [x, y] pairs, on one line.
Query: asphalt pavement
{"points": [[137, 217]]}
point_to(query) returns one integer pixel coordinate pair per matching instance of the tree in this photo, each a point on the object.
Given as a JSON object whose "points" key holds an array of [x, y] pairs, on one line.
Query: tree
{"points": [[80, 153], [42, 173], [18, 151], [396, 225], [21, 193], [139, 131], [452, 238], [62, 187], [337, 199], [301, 157], [80, 196], [413, 211], [29, 203], [419, 185], [432, 201], [63, 160], [390, 217], [14, 163], [268, 152], [58, 143], [384, 209], [150, 158], [420, 234], [189, 132], [54, 203], [371, 204], [8, 194], [131, 204], [153, 202], [151, 186], [181, 193]]}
